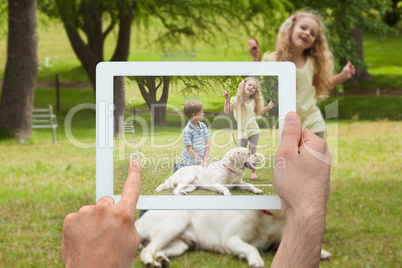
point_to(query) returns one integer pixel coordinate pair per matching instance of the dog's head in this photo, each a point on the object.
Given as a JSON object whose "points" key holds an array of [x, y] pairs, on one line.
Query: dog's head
{"points": [[240, 158]]}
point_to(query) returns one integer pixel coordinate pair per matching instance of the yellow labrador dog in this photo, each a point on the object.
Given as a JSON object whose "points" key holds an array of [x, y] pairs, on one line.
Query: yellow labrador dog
{"points": [[243, 233], [218, 176]]}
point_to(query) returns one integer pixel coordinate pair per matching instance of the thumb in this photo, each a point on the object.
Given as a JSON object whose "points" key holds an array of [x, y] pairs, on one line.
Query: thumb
{"points": [[291, 134]]}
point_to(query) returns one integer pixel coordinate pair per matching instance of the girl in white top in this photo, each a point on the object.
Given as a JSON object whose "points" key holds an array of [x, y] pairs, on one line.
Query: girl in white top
{"points": [[248, 104], [301, 40]]}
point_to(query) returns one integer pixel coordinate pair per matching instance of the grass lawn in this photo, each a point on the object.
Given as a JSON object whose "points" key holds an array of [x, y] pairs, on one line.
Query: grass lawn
{"points": [[383, 60], [42, 182]]}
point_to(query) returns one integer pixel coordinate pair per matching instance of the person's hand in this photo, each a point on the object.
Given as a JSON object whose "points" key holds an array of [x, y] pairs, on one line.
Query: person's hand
{"points": [[226, 94], [271, 105], [202, 162], [349, 70], [302, 171], [206, 162], [254, 48], [104, 235]]}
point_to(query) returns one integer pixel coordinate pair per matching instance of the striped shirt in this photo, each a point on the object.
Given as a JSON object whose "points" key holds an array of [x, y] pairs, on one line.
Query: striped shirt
{"points": [[196, 137]]}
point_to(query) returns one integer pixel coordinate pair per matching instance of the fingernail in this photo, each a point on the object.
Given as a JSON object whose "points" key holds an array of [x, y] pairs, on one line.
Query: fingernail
{"points": [[291, 118]]}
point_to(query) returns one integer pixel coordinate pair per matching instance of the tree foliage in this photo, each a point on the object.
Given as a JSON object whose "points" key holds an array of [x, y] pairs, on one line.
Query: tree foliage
{"points": [[393, 14], [89, 22]]}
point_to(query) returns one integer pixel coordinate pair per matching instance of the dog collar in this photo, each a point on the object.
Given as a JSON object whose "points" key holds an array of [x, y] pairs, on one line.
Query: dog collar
{"points": [[266, 212], [231, 170]]}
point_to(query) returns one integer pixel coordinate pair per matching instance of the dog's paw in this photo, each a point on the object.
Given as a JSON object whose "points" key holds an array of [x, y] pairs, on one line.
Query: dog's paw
{"points": [[155, 264], [256, 263], [325, 255], [159, 188], [257, 191], [182, 192], [176, 192], [226, 192], [163, 260]]}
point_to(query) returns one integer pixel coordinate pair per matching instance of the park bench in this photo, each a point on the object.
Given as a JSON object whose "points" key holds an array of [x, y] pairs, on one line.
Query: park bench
{"points": [[44, 118], [129, 127], [181, 55], [187, 98], [178, 55]]}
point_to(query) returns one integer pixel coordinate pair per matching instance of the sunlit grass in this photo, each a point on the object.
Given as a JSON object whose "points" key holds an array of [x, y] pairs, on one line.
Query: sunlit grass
{"points": [[383, 60]]}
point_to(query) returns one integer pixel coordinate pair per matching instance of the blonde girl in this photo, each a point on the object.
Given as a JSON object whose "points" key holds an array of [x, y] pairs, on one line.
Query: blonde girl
{"points": [[247, 104], [301, 40]]}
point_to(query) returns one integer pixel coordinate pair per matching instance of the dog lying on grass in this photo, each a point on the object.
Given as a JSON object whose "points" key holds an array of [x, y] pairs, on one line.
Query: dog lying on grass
{"points": [[169, 233], [218, 176]]}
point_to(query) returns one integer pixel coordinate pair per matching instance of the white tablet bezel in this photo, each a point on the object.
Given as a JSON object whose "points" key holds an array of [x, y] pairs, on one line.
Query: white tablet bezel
{"points": [[105, 71]]}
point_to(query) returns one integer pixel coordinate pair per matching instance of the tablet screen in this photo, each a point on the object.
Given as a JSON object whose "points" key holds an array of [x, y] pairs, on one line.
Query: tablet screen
{"points": [[158, 133], [140, 113]]}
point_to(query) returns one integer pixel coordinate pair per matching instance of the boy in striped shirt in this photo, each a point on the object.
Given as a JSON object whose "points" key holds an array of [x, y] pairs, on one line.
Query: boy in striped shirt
{"points": [[195, 136]]}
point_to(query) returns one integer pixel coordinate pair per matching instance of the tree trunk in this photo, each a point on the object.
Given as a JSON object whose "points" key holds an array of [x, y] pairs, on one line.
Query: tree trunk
{"points": [[119, 93], [361, 73], [148, 88], [20, 74], [158, 111], [90, 53]]}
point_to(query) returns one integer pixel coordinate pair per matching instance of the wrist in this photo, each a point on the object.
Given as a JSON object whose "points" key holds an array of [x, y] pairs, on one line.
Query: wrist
{"points": [[345, 76], [307, 218]]}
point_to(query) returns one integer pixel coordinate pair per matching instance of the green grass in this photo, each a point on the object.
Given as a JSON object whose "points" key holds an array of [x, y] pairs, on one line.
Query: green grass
{"points": [[366, 107], [42, 182], [384, 61]]}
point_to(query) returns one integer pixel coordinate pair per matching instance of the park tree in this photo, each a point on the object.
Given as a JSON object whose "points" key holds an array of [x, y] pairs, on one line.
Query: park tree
{"points": [[89, 22], [20, 73]]}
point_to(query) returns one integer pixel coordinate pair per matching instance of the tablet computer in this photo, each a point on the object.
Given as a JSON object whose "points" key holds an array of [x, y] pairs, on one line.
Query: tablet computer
{"points": [[148, 99]]}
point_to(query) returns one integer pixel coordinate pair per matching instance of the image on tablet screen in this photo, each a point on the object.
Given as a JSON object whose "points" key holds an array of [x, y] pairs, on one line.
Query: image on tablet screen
{"points": [[149, 122]]}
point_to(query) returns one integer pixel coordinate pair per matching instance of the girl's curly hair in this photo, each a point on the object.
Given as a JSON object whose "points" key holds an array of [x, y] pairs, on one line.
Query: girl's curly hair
{"points": [[257, 96]]}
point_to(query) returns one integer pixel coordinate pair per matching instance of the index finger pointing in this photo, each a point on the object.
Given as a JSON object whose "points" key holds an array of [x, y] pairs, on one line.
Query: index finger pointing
{"points": [[132, 187]]}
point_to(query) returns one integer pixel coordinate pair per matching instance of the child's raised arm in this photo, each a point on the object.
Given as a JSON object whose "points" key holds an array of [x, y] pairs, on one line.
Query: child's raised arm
{"points": [[228, 107], [268, 107], [347, 72], [254, 49]]}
